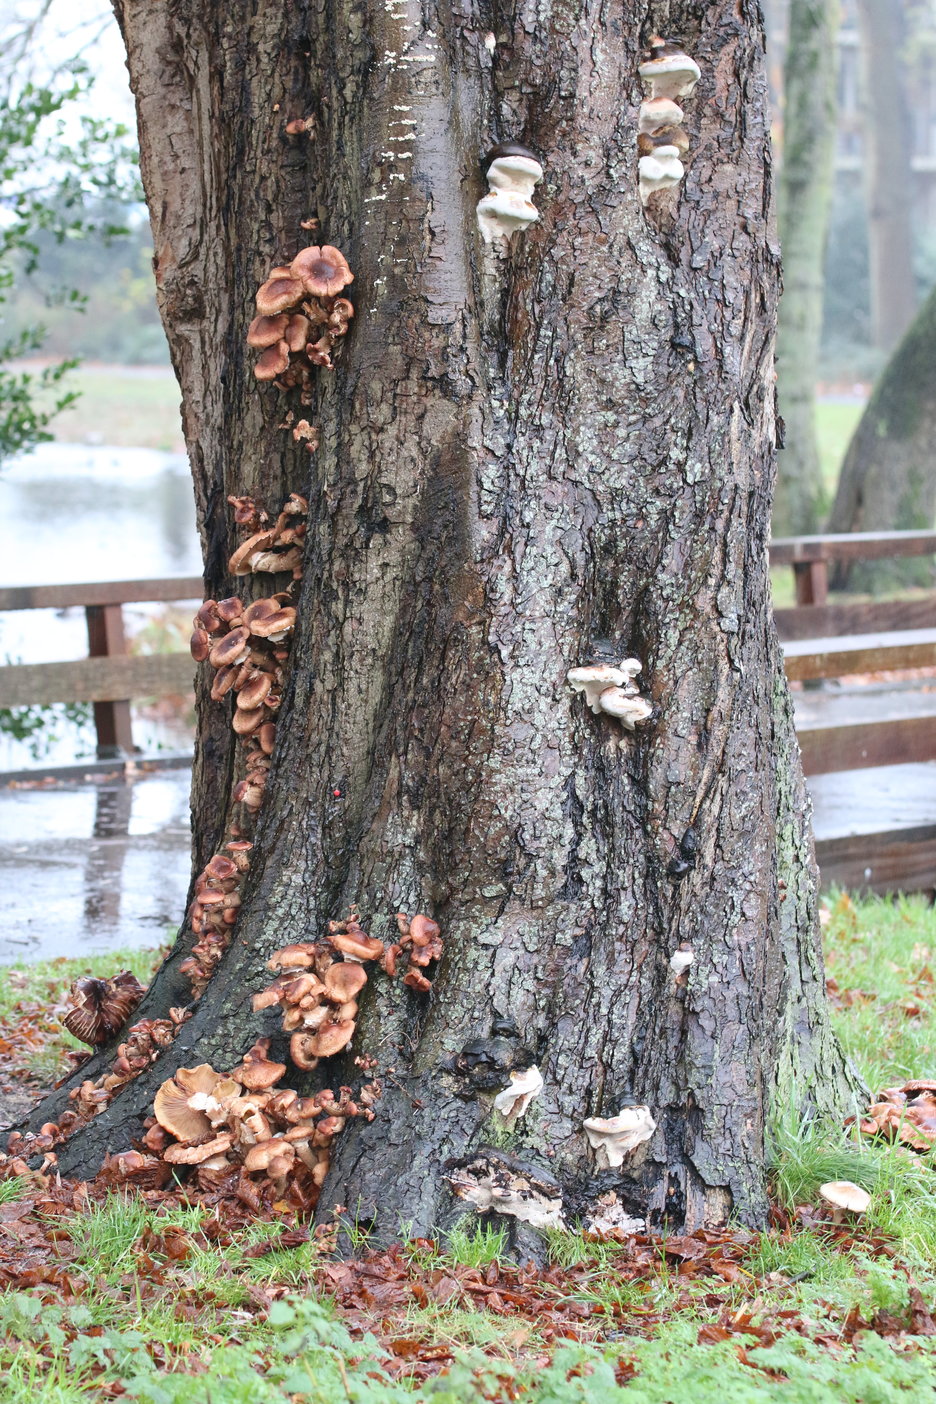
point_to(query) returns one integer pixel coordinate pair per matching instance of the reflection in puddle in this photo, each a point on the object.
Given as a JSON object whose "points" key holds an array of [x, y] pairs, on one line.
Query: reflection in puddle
{"points": [[89, 868]]}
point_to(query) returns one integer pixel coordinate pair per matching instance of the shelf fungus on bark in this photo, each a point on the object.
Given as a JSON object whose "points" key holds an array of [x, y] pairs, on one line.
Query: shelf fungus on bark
{"points": [[661, 143], [681, 959], [512, 173], [496, 1182], [610, 688], [514, 1101], [614, 1137], [668, 70]]}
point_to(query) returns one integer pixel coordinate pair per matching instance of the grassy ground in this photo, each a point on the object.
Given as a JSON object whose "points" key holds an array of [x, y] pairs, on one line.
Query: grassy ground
{"points": [[159, 1301], [127, 406]]}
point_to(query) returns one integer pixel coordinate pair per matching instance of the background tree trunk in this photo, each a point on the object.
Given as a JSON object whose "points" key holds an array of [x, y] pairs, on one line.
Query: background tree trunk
{"points": [[806, 182], [522, 454], [888, 181], [888, 478]]}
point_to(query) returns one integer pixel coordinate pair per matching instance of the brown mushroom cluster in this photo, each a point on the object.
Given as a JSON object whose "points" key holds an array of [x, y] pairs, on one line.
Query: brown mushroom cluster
{"points": [[236, 1128], [98, 1008], [214, 911], [271, 550], [144, 1043], [906, 1114], [317, 986], [318, 983], [301, 315], [421, 942]]}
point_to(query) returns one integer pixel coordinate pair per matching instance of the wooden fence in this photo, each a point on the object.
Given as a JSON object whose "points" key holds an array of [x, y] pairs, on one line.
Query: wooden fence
{"points": [[820, 640], [109, 677]]}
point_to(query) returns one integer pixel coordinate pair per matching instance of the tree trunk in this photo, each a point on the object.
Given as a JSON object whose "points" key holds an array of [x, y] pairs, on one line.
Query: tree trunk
{"points": [[888, 478], [806, 181], [888, 180], [523, 454]]}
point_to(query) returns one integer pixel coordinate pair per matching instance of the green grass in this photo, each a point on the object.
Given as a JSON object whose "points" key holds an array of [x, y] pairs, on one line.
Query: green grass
{"points": [[835, 425], [128, 406]]}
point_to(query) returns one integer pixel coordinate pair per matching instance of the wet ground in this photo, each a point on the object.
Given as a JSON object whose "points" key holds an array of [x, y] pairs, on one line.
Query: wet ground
{"points": [[93, 864]]}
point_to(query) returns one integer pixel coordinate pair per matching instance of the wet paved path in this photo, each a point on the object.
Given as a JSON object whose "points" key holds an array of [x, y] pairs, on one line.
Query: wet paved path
{"points": [[87, 867], [94, 864]]}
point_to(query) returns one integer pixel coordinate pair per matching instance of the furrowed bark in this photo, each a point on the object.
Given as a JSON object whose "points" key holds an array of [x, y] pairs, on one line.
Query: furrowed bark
{"points": [[523, 453]]}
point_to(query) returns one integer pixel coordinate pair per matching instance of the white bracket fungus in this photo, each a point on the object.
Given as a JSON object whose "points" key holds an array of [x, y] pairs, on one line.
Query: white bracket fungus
{"points": [[613, 1137], [669, 72], [595, 680], [626, 706], [512, 173], [494, 1181], [611, 689], [659, 171], [513, 1101], [681, 960]]}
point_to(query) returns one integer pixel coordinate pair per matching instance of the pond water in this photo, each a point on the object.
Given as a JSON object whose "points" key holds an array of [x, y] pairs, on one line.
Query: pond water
{"points": [[71, 513]]}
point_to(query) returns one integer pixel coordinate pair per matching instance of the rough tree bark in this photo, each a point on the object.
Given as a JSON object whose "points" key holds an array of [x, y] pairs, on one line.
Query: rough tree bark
{"points": [[521, 456], [888, 478], [888, 179], [806, 181]]}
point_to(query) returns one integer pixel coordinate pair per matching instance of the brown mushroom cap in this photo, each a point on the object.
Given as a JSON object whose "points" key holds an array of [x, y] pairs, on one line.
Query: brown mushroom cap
{"points": [[194, 1155], [246, 721], [279, 293], [297, 332], [298, 957], [267, 331], [344, 980], [357, 944], [231, 610], [200, 1079], [257, 1073], [171, 1109], [331, 1038], [301, 986], [221, 868], [423, 929], [254, 691], [260, 1156], [273, 361], [239, 564], [273, 625], [266, 735], [301, 1050], [224, 680], [200, 645], [322, 270], [230, 648]]}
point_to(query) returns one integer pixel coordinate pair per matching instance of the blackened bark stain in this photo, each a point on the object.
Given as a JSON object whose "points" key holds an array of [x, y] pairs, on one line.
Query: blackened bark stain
{"points": [[524, 452]]}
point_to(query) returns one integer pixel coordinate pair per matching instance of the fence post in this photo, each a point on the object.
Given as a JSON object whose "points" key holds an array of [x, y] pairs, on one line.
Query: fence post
{"points": [[111, 719], [812, 582]]}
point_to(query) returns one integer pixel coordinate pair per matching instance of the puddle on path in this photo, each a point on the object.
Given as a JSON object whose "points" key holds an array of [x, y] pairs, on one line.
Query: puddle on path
{"points": [[90, 867]]}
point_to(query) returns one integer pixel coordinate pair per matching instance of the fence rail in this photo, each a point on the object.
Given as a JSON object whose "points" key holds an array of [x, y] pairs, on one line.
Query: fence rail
{"points": [[821, 641], [109, 677]]}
